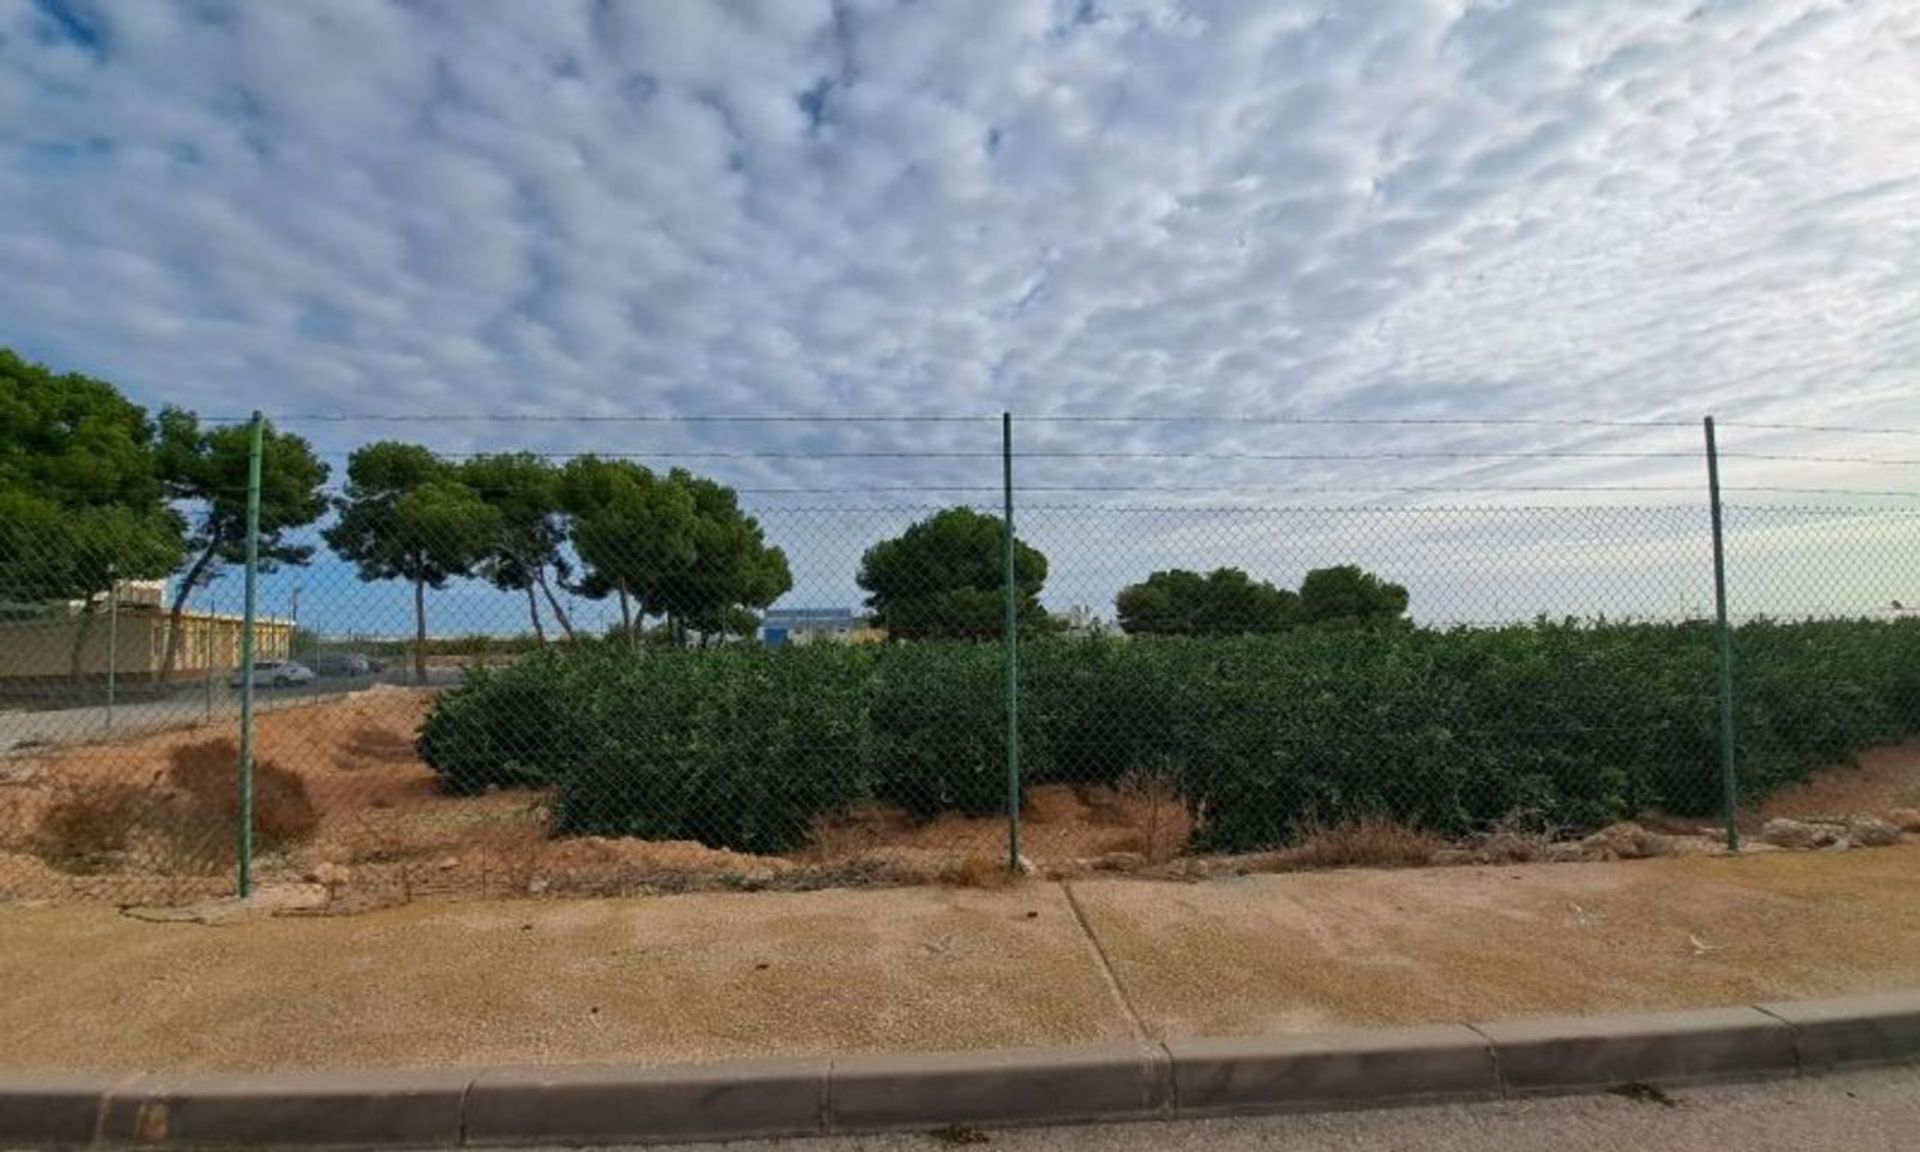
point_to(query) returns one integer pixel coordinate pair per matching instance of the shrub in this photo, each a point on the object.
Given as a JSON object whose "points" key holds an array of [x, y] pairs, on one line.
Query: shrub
{"points": [[88, 823], [1362, 842], [189, 825], [740, 748], [1441, 731], [510, 727], [939, 729], [1100, 711], [207, 776]]}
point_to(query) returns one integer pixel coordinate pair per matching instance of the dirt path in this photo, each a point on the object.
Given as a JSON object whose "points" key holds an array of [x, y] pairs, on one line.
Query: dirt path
{"points": [[722, 975]]}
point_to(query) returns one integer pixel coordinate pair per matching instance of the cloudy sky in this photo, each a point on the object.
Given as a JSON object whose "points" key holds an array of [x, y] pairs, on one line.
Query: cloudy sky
{"points": [[1421, 210]]}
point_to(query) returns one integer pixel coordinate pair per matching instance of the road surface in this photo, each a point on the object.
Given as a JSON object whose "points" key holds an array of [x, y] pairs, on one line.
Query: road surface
{"points": [[24, 731], [1870, 1111]]}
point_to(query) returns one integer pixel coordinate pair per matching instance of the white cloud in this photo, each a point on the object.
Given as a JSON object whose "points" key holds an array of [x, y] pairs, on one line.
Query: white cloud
{"points": [[1440, 209]]}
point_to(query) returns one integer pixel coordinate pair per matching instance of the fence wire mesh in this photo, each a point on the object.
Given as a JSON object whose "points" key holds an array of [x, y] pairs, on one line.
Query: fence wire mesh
{"points": [[538, 673]]}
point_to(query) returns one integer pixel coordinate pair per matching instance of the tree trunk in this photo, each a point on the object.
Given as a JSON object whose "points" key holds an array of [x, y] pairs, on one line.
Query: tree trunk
{"points": [[566, 625], [419, 631], [533, 610], [626, 619], [80, 635], [175, 617]]}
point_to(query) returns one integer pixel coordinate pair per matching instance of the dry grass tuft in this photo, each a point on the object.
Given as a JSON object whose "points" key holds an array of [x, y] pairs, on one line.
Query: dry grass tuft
{"points": [[207, 776], [1365, 842], [977, 871], [1158, 813], [88, 823], [184, 820]]}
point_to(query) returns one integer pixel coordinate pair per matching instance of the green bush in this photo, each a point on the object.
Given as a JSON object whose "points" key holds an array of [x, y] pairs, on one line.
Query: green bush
{"points": [[737, 747], [940, 728], [511, 727], [1573, 724]]}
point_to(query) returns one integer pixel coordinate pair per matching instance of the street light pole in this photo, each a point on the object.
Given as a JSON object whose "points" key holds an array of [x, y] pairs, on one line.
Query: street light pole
{"points": [[293, 619]]}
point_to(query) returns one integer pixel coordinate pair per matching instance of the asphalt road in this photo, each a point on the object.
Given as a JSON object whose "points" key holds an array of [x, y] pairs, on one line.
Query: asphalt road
{"points": [[1867, 1111], [24, 730]]}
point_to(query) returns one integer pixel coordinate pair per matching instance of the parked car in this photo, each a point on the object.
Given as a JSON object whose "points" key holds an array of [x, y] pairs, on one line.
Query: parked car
{"points": [[277, 673], [342, 664]]}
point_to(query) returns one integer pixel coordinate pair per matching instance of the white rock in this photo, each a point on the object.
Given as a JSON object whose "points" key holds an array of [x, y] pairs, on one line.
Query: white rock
{"points": [[1871, 832], [1799, 834]]}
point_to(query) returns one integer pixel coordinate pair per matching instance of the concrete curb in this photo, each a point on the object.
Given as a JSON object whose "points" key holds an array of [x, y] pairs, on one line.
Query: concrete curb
{"points": [[1572, 1054], [811, 1097]]}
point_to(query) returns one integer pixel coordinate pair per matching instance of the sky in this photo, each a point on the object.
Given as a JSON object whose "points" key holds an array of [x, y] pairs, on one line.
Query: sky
{"points": [[1175, 240]]}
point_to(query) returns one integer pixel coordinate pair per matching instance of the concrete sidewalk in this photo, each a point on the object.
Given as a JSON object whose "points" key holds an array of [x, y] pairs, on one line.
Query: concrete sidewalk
{"points": [[711, 977]]}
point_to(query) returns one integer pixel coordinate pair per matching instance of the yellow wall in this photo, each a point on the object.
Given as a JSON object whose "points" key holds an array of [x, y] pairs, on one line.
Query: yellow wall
{"points": [[34, 649]]}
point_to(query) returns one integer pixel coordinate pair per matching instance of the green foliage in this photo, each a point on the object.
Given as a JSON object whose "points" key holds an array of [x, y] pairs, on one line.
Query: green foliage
{"points": [[506, 727], [939, 724], [72, 440], [52, 553], [945, 578], [1223, 602], [407, 516], [1820, 691], [1348, 595], [730, 568], [628, 527], [80, 490], [524, 492], [207, 469], [1227, 602], [736, 747], [678, 545], [1575, 724]]}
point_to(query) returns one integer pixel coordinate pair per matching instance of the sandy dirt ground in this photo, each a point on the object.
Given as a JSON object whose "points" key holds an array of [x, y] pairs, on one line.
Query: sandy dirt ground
{"points": [[717, 975], [1884, 779]]}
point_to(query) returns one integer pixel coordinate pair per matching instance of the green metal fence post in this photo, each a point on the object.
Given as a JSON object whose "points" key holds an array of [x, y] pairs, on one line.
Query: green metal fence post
{"points": [[213, 611], [1729, 783], [113, 637], [256, 433], [1011, 593]]}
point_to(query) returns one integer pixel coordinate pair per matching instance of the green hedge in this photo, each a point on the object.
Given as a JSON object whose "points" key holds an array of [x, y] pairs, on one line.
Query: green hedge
{"points": [[1576, 725]]}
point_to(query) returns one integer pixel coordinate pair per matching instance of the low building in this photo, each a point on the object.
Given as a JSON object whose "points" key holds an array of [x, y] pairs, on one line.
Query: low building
{"points": [[817, 625], [132, 644]]}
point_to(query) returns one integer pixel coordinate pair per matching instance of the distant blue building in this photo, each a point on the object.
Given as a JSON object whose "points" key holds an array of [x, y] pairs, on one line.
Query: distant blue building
{"points": [[813, 625]]}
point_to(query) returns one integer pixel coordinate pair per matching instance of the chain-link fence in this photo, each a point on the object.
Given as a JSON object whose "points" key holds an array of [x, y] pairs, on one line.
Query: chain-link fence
{"points": [[499, 674]]}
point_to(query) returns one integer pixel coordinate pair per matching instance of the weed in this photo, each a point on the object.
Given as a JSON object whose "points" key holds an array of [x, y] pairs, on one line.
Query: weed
{"points": [[1370, 841], [1643, 1093], [1152, 797], [958, 1135], [207, 775], [89, 822], [976, 871]]}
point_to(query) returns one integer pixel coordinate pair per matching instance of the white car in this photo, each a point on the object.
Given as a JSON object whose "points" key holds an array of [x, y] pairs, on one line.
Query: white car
{"points": [[277, 673]]}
